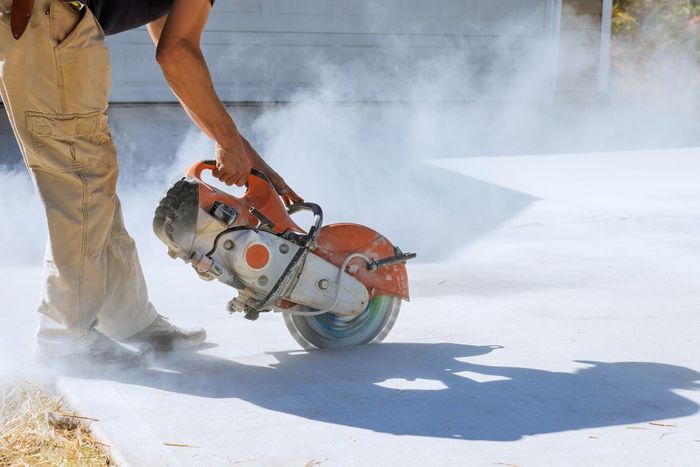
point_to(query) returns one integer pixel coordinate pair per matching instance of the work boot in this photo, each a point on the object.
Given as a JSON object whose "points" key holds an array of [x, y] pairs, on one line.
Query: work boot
{"points": [[164, 336], [101, 352]]}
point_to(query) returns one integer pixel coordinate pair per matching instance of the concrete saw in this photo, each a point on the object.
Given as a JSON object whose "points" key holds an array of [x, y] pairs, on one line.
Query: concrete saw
{"points": [[336, 285]]}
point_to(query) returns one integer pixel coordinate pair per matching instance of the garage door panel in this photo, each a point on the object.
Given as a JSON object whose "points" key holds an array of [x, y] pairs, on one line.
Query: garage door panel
{"points": [[395, 16], [304, 7], [510, 8], [276, 64], [142, 57], [271, 49], [236, 65], [245, 7], [443, 8], [375, 8]]}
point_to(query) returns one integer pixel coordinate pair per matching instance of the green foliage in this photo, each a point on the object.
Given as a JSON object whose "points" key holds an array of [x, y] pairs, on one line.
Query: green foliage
{"points": [[647, 27], [656, 49]]}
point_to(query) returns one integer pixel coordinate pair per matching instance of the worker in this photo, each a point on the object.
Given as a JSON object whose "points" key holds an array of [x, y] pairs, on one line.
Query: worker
{"points": [[54, 81]]}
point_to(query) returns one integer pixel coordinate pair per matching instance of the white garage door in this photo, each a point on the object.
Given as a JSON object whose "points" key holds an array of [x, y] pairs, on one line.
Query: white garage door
{"points": [[268, 50]]}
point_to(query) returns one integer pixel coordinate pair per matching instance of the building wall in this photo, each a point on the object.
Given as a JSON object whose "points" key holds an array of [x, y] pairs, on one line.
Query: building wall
{"points": [[270, 50]]}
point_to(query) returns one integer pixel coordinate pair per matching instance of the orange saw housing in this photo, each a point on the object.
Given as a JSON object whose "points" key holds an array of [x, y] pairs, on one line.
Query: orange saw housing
{"points": [[334, 243]]}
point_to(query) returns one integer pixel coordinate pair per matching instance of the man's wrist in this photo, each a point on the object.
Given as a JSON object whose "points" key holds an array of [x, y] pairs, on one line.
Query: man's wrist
{"points": [[226, 133], [230, 143]]}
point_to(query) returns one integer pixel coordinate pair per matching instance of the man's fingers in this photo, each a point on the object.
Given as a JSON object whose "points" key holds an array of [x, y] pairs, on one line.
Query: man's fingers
{"points": [[232, 179], [291, 194], [221, 174], [288, 195], [291, 198], [226, 176]]}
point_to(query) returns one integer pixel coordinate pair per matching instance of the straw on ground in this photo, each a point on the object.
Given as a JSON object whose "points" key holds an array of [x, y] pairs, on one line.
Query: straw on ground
{"points": [[35, 429]]}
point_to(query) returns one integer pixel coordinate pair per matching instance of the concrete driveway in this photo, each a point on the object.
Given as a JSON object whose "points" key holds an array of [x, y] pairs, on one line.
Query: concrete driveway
{"points": [[562, 333]]}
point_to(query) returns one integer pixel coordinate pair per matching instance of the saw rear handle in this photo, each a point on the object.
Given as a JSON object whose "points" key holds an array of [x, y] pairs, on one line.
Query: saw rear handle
{"points": [[201, 166]]}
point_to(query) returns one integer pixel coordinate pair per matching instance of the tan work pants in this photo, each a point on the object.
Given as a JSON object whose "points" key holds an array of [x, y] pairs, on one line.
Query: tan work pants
{"points": [[54, 83]]}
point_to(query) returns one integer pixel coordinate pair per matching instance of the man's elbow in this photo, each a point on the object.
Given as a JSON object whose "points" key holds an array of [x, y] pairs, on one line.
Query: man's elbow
{"points": [[171, 53]]}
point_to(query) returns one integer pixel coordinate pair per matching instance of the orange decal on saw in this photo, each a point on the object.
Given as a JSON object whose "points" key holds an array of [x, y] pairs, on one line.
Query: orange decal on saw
{"points": [[257, 256]]}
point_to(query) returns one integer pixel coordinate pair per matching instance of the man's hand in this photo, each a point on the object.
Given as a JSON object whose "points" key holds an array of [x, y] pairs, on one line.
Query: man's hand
{"points": [[232, 165], [285, 191]]}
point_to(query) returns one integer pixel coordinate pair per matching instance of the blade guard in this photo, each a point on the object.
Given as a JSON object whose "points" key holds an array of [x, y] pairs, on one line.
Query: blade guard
{"points": [[336, 241], [259, 195]]}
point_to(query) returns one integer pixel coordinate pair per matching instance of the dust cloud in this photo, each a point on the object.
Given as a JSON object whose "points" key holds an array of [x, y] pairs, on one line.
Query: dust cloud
{"points": [[364, 161]]}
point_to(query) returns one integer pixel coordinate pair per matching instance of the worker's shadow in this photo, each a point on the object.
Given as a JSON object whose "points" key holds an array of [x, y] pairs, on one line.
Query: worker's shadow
{"points": [[433, 390]]}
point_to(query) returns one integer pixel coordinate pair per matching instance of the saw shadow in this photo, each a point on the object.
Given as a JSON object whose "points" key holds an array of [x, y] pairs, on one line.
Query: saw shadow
{"points": [[422, 390]]}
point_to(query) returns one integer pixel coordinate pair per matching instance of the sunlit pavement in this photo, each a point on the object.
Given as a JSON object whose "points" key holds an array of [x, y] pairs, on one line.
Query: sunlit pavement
{"points": [[565, 333]]}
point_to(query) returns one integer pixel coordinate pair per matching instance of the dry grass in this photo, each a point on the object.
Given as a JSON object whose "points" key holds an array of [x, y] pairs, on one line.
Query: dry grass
{"points": [[36, 430]]}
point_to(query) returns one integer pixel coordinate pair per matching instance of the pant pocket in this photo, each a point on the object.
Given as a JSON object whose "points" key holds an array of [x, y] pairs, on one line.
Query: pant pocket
{"points": [[65, 22], [69, 143], [83, 61]]}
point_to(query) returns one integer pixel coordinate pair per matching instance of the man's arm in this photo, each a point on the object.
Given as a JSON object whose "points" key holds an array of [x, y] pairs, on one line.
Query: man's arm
{"points": [[177, 38]]}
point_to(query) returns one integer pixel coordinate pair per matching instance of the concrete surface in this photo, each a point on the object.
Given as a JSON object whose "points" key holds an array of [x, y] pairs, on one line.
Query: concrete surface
{"points": [[565, 334]]}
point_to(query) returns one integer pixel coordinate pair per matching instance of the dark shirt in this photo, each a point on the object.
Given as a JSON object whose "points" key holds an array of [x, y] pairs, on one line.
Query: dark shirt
{"points": [[120, 15]]}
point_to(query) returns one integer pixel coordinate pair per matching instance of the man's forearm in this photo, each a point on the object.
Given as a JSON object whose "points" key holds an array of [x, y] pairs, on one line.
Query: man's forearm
{"points": [[177, 37], [187, 74]]}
